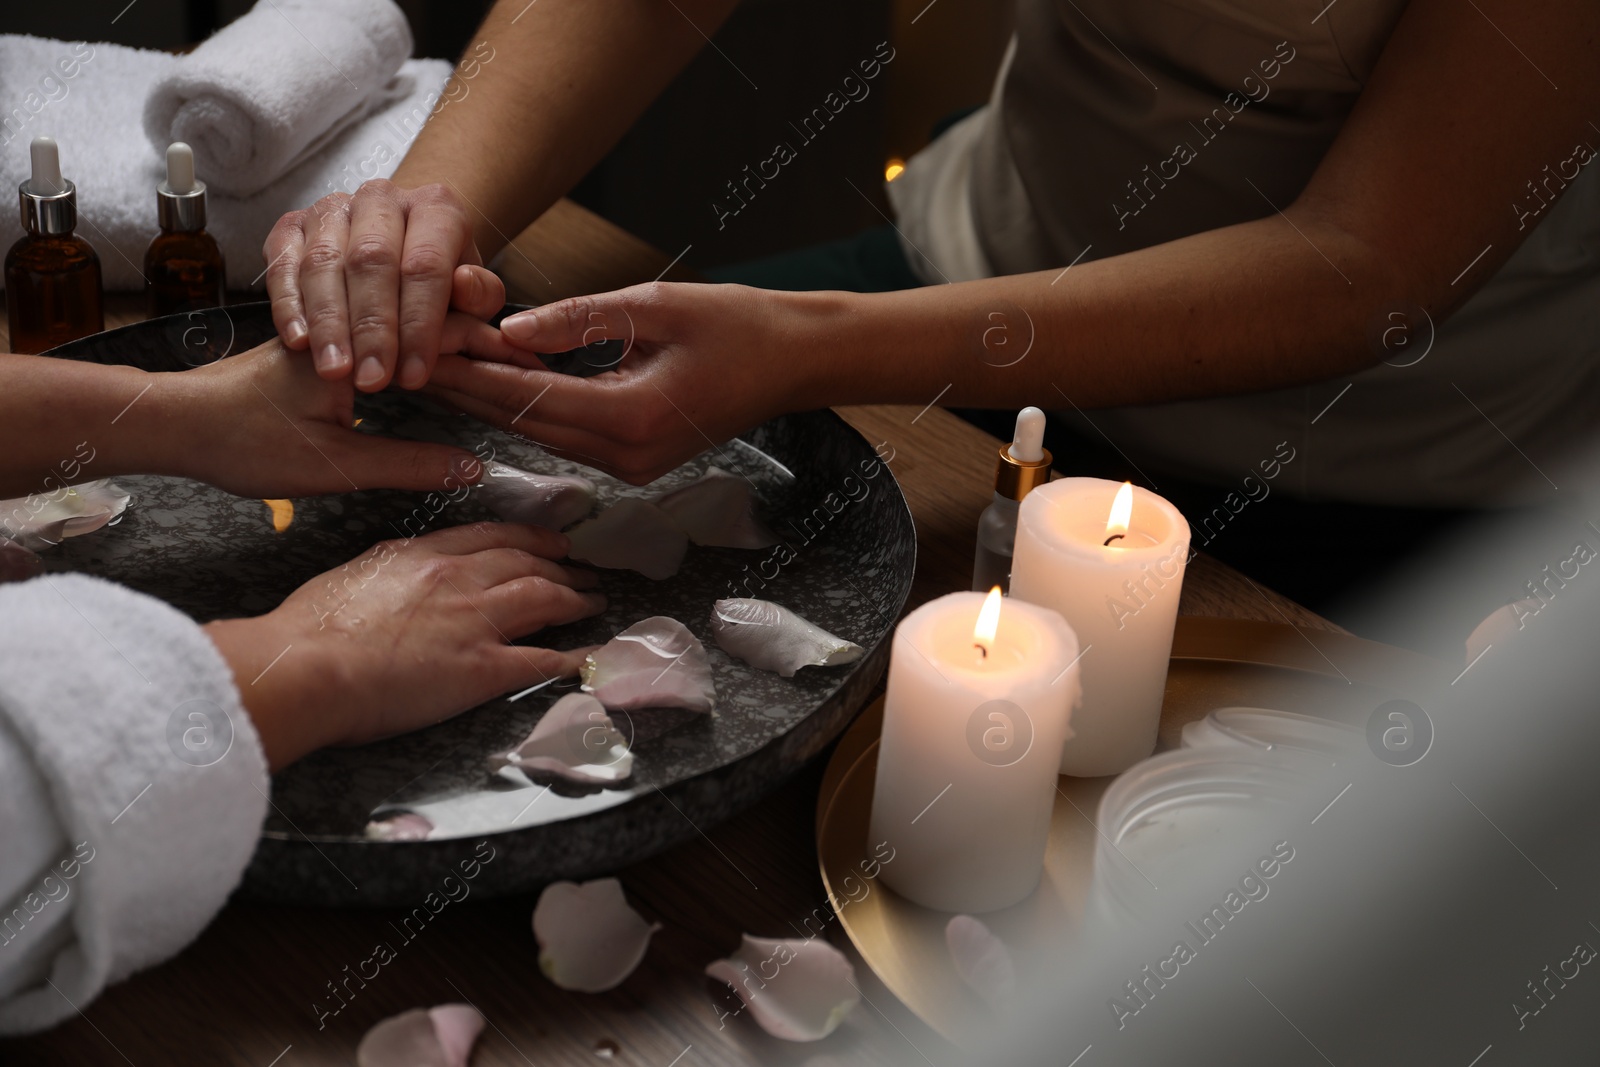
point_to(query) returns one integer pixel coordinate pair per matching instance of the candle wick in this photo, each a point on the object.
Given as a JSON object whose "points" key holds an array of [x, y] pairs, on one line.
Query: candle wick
{"points": [[984, 652], [1114, 537]]}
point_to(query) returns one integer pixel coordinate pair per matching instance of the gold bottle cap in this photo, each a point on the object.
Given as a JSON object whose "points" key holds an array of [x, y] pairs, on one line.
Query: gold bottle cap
{"points": [[1015, 479]]}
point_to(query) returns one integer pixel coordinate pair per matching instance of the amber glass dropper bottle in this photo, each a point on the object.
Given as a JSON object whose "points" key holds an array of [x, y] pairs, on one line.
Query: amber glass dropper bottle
{"points": [[183, 268], [53, 292]]}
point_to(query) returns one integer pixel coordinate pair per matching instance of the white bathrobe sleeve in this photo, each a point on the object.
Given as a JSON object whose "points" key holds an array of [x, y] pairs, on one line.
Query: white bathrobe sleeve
{"points": [[132, 790]]}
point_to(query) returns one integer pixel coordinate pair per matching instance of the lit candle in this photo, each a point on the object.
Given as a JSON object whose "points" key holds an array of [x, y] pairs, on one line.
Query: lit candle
{"points": [[978, 706], [1111, 561]]}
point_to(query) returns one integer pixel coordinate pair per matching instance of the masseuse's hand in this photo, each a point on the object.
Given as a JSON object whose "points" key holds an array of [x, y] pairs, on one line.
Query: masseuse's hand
{"points": [[364, 281], [702, 364], [404, 636], [263, 424]]}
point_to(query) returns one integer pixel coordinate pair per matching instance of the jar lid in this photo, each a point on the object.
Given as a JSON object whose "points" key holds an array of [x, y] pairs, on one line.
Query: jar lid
{"points": [[1169, 815], [1269, 728]]}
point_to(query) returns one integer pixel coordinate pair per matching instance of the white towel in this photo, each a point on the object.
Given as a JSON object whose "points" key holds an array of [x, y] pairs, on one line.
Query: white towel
{"points": [[116, 851], [276, 86], [95, 114]]}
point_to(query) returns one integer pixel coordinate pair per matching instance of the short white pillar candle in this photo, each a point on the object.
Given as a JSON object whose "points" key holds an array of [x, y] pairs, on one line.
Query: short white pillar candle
{"points": [[1115, 578], [980, 695]]}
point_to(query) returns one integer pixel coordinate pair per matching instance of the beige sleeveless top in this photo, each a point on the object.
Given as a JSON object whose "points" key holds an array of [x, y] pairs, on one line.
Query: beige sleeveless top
{"points": [[1119, 124]]}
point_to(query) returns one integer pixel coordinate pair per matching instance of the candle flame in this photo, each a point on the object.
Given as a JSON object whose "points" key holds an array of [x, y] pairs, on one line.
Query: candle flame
{"points": [[988, 621], [1121, 512]]}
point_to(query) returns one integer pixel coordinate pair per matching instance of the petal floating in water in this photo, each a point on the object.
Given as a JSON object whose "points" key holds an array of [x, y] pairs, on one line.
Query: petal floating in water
{"points": [[799, 989], [49, 518], [590, 940], [552, 500], [399, 826], [576, 740], [772, 638], [436, 1037], [632, 535], [718, 510], [655, 663], [982, 960]]}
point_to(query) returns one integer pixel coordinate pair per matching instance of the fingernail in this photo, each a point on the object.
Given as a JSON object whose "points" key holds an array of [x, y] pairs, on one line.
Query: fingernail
{"points": [[468, 468], [295, 332], [331, 360], [370, 373], [414, 373], [519, 327]]}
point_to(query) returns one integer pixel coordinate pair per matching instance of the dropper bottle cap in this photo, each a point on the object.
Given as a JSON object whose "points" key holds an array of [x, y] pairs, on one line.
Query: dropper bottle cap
{"points": [[1025, 462], [49, 203], [181, 200]]}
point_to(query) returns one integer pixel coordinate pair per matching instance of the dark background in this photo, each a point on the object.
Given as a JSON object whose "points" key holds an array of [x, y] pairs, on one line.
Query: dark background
{"points": [[660, 180]]}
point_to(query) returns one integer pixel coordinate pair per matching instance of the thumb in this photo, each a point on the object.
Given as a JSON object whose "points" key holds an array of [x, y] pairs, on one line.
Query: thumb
{"points": [[375, 462], [626, 315], [478, 291]]}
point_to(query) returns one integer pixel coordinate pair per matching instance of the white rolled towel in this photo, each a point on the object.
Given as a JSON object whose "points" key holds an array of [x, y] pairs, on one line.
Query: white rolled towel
{"points": [[275, 86]]}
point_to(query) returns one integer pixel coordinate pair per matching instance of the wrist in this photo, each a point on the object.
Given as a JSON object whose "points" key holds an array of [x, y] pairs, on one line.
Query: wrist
{"points": [[824, 331], [906, 346], [281, 680], [163, 430]]}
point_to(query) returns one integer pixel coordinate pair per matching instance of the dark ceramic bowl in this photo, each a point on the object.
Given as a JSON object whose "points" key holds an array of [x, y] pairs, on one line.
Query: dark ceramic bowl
{"points": [[845, 524]]}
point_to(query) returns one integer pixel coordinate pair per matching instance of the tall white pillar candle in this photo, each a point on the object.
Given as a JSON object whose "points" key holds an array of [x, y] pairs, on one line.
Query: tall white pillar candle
{"points": [[981, 691], [1121, 600]]}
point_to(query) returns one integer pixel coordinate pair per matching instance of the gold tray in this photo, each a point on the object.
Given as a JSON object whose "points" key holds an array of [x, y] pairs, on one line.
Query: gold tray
{"points": [[1215, 663]]}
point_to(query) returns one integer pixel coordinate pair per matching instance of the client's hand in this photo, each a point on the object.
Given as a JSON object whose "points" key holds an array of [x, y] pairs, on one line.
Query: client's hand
{"points": [[263, 424], [404, 636]]}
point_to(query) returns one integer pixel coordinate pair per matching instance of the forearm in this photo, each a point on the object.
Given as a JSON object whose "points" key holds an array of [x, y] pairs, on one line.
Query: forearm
{"points": [[565, 82], [65, 421], [1248, 307]]}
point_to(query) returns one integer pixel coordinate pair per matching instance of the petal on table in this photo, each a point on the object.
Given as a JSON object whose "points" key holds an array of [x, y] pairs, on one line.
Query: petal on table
{"points": [[655, 663], [457, 1027], [631, 535], [799, 989], [590, 940], [436, 1037], [772, 638], [982, 960]]}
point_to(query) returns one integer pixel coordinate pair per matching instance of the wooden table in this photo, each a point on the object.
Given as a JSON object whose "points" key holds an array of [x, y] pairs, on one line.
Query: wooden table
{"points": [[243, 993]]}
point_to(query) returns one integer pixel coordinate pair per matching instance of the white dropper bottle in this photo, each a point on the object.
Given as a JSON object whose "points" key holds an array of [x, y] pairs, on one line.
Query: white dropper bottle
{"points": [[1024, 465]]}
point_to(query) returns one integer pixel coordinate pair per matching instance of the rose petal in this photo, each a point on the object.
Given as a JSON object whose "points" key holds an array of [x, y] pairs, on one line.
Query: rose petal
{"points": [[799, 989], [770, 637], [590, 940], [399, 826], [49, 518], [457, 1027], [552, 500], [655, 663], [718, 510], [575, 739], [632, 535], [437, 1037], [982, 960]]}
